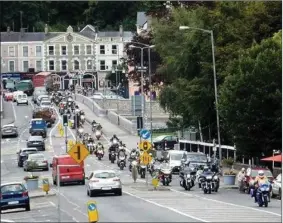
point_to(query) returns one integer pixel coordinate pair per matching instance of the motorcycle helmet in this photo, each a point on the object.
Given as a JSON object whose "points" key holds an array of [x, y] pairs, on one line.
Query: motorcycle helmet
{"points": [[205, 168], [114, 136], [261, 173]]}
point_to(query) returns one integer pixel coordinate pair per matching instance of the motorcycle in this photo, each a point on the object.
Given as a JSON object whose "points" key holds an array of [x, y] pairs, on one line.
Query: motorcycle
{"points": [[112, 156], [187, 178], [142, 170], [98, 134], [82, 119], [121, 162], [165, 174], [90, 147], [80, 132], [209, 183], [262, 195], [99, 153]]}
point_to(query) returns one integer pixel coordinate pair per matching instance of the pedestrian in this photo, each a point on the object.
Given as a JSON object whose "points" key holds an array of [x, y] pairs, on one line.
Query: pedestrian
{"points": [[240, 178]]}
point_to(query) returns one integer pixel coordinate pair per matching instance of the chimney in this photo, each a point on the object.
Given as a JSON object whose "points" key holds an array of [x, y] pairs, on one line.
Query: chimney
{"points": [[8, 29], [46, 29], [121, 31]]}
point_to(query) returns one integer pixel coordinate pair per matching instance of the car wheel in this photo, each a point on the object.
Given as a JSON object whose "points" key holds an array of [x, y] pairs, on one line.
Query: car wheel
{"points": [[119, 192], [83, 182], [47, 169], [28, 207], [91, 193], [54, 182], [279, 195], [17, 104], [87, 192]]}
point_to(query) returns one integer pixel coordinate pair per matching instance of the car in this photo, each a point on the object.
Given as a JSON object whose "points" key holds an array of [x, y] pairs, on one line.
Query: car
{"points": [[45, 104], [14, 195], [9, 130], [38, 126], [36, 161], [23, 155], [165, 141], [276, 186], [36, 142], [47, 114], [103, 181], [37, 92], [72, 174], [8, 96], [196, 158], [175, 159], [22, 99], [40, 97], [15, 94]]}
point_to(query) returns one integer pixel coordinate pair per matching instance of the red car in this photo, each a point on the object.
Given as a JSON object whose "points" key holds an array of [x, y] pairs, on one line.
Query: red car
{"points": [[251, 174], [8, 96]]}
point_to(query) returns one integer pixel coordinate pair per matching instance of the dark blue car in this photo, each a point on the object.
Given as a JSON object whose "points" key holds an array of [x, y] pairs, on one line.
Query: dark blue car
{"points": [[14, 195]]}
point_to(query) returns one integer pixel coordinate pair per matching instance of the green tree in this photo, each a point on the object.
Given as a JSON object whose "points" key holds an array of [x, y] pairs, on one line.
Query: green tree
{"points": [[251, 98]]}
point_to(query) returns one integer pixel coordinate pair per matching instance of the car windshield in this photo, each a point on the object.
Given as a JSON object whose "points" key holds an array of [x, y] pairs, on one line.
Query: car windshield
{"points": [[159, 138], [12, 188], [176, 156], [23, 96], [36, 157], [266, 173], [36, 138], [278, 178], [104, 175], [197, 157], [30, 151]]}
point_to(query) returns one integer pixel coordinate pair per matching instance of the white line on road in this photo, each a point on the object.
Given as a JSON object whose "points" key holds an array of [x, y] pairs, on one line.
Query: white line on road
{"points": [[30, 102], [226, 203], [73, 218], [14, 111], [169, 208], [54, 127]]}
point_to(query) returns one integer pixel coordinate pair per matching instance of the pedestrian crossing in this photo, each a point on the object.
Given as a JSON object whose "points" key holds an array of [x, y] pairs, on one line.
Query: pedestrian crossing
{"points": [[205, 210]]}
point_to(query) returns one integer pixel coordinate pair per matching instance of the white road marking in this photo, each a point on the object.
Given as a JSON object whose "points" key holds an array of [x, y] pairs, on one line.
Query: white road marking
{"points": [[162, 206], [14, 111], [226, 203], [20, 138], [30, 102], [54, 127]]}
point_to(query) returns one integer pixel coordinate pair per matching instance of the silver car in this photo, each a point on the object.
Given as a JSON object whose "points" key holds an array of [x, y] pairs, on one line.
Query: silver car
{"points": [[36, 161], [9, 130], [276, 187], [103, 181]]}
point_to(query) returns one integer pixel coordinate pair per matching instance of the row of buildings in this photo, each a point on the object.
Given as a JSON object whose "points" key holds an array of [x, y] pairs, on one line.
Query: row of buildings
{"points": [[88, 50]]}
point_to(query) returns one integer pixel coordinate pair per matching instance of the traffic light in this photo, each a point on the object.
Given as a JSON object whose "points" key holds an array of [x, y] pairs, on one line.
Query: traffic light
{"points": [[65, 120], [139, 123]]}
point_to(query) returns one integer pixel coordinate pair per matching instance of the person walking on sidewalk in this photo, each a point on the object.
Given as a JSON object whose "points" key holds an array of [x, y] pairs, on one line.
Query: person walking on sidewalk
{"points": [[241, 178]]}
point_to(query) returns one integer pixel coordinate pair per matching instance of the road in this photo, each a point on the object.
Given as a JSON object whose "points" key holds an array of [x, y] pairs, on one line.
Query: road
{"points": [[137, 203]]}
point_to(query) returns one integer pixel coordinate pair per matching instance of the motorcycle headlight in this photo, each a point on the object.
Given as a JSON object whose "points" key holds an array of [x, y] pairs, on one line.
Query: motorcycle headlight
{"points": [[188, 175], [209, 177], [97, 133], [81, 130], [115, 141], [215, 177], [82, 117]]}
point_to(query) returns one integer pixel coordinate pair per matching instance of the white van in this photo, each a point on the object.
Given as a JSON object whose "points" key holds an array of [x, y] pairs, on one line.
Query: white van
{"points": [[22, 99], [15, 95]]}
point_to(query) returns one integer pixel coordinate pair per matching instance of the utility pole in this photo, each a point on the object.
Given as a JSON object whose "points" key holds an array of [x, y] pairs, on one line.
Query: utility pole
{"points": [[21, 18]]}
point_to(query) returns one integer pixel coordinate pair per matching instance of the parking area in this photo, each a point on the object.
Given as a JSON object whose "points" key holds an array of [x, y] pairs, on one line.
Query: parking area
{"points": [[42, 210]]}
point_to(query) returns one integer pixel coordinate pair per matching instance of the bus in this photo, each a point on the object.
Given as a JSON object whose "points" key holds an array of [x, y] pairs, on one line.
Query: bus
{"points": [[26, 86]]}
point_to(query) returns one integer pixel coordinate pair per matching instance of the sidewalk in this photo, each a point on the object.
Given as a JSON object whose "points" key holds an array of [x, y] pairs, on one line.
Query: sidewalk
{"points": [[110, 129], [40, 193]]}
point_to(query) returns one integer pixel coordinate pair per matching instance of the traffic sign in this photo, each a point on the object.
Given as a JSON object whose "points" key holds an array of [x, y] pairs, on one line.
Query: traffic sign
{"points": [[145, 134], [145, 145], [145, 158], [61, 132], [60, 126], [92, 211], [71, 143], [78, 152]]}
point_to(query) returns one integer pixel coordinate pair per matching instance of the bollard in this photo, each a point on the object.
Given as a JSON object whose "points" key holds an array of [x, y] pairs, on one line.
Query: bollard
{"points": [[45, 185]]}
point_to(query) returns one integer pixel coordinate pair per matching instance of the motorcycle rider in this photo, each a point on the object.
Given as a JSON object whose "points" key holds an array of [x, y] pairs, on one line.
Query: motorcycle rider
{"points": [[121, 152], [114, 137], [241, 177], [206, 171], [98, 147], [134, 153], [259, 180]]}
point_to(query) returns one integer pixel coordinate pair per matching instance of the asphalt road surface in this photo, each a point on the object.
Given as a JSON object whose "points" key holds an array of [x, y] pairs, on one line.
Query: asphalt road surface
{"points": [[137, 203]]}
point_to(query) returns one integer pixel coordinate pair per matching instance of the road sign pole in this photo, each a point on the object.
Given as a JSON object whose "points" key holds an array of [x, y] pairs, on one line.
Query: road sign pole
{"points": [[66, 138]]}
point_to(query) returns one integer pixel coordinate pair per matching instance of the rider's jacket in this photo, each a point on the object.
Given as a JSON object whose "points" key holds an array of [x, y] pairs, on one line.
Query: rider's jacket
{"points": [[261, 180]]}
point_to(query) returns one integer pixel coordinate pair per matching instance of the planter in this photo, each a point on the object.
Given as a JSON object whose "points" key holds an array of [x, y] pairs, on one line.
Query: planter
{"points": [[32, 184], [229, 179]]}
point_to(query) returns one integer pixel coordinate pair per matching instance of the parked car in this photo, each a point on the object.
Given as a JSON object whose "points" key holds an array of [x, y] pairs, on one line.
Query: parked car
{"points": [[15, 94], [8, 96], [14, 195], [23, 155], [9, 130], [45, 104], [36, 142], [22, 99], [276, 187], [35, 162], [103, 181], [165, 141], [70, 174]]}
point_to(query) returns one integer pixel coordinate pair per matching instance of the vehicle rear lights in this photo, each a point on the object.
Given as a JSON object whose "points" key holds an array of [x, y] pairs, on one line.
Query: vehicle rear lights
{"points": [[25, 194]]}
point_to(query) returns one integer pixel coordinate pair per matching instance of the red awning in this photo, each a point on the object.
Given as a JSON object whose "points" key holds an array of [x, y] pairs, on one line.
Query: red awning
{"points": [[277, 158]]}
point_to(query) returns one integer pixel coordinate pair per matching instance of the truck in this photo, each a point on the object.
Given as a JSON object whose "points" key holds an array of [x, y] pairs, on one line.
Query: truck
{"points": [[45, 114], [39, 80], [38, 127]]}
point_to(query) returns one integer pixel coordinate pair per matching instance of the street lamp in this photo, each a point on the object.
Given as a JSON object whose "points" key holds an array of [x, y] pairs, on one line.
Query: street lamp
{"points": [[215, 80], [273, 153], [142, 78], [115, 70], [1, 81]]}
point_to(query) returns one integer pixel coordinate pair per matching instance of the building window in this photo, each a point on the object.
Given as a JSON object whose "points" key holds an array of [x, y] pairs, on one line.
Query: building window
{"points": [[51, 65], [25, 66], [102, 49], [25, 51], [114, 49], [76, 65], [51, 50], [63, 65], [88, 49], [102, 65], [89, 65], [38, 65], [11, 51], [11, 66], [63, 50], [38, 51], [114, 63], [76, 50]]}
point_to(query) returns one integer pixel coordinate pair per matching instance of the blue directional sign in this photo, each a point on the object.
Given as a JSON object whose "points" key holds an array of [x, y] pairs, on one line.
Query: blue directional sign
{"points": [[91, 206], [145, 134]]}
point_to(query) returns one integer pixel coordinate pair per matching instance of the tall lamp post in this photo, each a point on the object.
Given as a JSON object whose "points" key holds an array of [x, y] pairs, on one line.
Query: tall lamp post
{"points": [[145, 46], [215, 80], [115, 70], [1, 81]]}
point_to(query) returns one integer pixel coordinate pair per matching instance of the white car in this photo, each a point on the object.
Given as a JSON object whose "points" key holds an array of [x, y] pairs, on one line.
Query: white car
{"points": [[103, 181], [15, 94], [22, 99], [276, 187], [45, 104]]}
